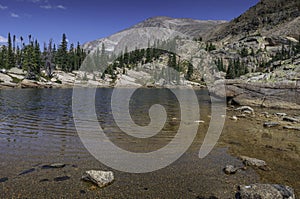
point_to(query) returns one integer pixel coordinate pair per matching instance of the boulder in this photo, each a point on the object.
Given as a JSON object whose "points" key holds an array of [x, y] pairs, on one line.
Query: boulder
{"points": [[29, 84], [265, 191], [17, 71], [19, 77], [7, 85], [255, 162], [5, 78], [282, 94], [101, 178]]}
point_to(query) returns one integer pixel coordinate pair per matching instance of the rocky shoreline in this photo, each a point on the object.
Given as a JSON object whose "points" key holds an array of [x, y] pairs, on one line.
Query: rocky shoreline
{"points": [[272, 136], [278, 95]]}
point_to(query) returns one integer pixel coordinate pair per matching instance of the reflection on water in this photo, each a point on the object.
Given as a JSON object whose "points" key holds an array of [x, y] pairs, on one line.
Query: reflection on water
{"points": [[37, 122]]}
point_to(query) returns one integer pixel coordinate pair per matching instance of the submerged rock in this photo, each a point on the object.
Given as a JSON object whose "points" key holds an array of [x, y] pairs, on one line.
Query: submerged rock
{"points": [[57, 165], [54, 166], [290, 119], [230, 169], [271, 124], [297, 128], [44, 180], [255, 162], [63, 178], [101, 178], [265, 191], [27, 171], [3, 179]]}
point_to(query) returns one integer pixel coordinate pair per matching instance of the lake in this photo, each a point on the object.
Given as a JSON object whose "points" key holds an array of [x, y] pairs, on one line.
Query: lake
{"points": [[37, 128]]}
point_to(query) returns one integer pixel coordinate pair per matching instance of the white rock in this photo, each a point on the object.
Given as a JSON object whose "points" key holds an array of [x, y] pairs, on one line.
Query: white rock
{"points": [[245, 108], [255, 162], [280, 114], [265, 191], [17, 71], [20, 77], [101, 178], [234, 118], [230, 169], [5, 78], [199, 121]]}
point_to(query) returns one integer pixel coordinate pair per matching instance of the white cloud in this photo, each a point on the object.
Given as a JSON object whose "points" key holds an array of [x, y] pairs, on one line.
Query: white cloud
{"points": [[61, 7], [46, 7], [14, 15], [38, 1], [2, 7], [3, 39], [34, 1]]}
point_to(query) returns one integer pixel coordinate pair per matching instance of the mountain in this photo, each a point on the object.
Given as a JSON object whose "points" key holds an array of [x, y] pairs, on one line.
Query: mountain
{"points": [[159, 27], [186, 26], [256, 55], [268, 17]]}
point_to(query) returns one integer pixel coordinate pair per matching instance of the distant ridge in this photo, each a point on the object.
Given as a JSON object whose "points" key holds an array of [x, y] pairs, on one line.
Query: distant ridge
{"points": [[266, 17], [190, 27]]}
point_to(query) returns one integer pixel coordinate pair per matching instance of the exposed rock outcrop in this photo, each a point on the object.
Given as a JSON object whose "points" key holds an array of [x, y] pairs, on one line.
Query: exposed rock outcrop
{"points": [[285, 95], [265, 191]]}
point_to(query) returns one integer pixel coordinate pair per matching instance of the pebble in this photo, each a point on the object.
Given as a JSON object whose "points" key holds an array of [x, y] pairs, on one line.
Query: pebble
{"points": [[53, 166], [44, 180], [3, 179], [27, 171], [230, 169], [63, 178], [234, 118]]}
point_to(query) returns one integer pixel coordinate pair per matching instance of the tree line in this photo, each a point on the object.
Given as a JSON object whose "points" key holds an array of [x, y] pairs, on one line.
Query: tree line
{"points": [[32, 59]]}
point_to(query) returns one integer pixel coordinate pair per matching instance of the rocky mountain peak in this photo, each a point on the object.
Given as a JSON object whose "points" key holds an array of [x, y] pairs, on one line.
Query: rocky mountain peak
{"points": [[262, 18], [188, 27]]}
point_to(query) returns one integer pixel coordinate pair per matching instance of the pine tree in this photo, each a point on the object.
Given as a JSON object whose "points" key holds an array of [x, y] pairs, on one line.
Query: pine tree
{"points": [[62, 54], [190, 70], [230, 74], [29, 63], [38, 56], [103, 59], [244, 52], [10, 54], [3, 56], [71, 58]]}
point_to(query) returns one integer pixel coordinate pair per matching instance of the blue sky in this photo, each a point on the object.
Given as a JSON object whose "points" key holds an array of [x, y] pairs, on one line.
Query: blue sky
{"points": [[87, 20]]}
